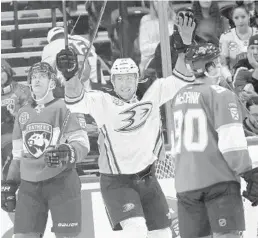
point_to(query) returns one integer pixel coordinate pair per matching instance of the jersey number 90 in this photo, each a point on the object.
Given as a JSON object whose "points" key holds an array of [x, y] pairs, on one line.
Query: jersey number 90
{"points": [[190, 129]]}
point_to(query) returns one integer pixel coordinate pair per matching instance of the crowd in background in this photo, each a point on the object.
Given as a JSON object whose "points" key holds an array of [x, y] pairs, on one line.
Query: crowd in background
{"points": [[231, 32]]}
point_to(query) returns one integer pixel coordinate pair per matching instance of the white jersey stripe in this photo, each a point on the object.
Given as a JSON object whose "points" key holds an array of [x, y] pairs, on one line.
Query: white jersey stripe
{"points": [[103, 149], [109, 155], [229, 131], [110, 150], [158, 145]]}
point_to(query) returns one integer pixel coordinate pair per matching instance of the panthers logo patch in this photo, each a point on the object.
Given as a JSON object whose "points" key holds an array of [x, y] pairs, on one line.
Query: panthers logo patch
{"points": [[37, 138]]}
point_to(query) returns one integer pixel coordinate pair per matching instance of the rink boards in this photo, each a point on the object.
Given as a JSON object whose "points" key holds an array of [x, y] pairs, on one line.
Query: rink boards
{"points": [[95, 222]]}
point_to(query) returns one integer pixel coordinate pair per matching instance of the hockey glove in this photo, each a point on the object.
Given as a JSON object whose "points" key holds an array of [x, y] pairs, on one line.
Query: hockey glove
{"points": [[183, 35], [251, 193], [67, 63], [63, 154], [8, 196]]}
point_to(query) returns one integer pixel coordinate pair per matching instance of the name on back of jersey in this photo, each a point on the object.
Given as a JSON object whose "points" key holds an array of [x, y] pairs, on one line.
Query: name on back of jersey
{"points": [[187, 97]]}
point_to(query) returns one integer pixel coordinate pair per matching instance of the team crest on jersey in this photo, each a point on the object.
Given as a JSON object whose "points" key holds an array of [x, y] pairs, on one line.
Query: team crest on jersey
{"points": [[24, 117], [37, 138], [82, 122], [134, 117], [232, 46], [234, 112]]}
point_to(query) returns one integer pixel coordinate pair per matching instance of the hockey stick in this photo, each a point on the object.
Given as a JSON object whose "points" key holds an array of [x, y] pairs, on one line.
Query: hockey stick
{"points": [[64, 126], [94, 34], [65, 25]]}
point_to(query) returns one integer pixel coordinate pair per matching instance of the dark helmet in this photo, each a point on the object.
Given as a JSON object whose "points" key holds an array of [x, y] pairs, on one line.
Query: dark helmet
{"points": [[41, 67], [200, 56]]}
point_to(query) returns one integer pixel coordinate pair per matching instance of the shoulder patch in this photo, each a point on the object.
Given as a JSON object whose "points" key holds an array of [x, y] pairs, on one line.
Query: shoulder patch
{"points": [[218, 89]]}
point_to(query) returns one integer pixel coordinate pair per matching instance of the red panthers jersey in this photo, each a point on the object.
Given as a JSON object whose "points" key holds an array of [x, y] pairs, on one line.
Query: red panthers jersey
{"points": [[209, 140], [38, 127]]}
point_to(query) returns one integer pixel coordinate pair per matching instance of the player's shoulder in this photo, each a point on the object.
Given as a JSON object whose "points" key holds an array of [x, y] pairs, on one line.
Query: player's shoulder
{"points": [[228, 32], [25, 111], [221, 93], [146, 18]]}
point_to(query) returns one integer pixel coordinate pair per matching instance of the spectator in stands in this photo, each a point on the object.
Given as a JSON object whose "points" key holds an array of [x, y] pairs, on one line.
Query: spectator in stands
{"points": [[251, 121], [149, 36], [13, 97], [210, 23], [153, 69], [246, 70], [234, 43], [254, 17]]}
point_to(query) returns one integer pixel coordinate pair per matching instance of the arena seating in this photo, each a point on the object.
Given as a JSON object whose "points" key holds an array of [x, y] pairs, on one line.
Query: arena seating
{"points": [[23, 38]]}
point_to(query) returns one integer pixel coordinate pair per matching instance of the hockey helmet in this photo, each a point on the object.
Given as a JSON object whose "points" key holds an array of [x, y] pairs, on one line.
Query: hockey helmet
{"points": [[124, 66], [53, 32], [41, 67], [200, 57]]}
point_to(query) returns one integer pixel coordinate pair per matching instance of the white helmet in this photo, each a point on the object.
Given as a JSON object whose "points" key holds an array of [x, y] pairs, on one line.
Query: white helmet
{"points": [[54, 31], [124, 66]]}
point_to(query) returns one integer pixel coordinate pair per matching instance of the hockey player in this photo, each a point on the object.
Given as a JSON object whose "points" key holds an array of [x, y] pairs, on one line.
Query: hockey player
{"points": [[80, 45], [211, 154], [47, 142], [130, 138], [13, 97]]}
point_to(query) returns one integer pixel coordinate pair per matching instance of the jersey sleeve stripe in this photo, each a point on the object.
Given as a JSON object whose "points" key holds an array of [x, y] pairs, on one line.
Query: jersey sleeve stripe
{"points": [[231, 138], [158, 144], [183, 76], [103, 151], [17, 149], [74, 100], [113, 160]]}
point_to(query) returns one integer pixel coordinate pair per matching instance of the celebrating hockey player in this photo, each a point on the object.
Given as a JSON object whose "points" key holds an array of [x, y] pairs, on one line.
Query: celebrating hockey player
{"points": [[211, 154], [13, 96], [130, 137], [47, 142]]}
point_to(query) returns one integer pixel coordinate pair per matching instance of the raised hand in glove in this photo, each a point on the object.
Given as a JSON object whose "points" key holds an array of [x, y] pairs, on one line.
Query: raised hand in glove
{"points": [[8, 196], [63, 154], [251, 193], [183, 35], [67, 63]]}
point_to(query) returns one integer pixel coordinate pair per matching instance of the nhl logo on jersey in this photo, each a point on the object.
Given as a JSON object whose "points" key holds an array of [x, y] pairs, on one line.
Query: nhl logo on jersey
{"points": [[37, 138], [24, 117]]}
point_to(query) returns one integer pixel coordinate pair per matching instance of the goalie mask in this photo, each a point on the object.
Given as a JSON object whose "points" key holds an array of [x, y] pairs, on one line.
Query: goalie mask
{"points": [[203, 60], [38, 71], [125, 77]]}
